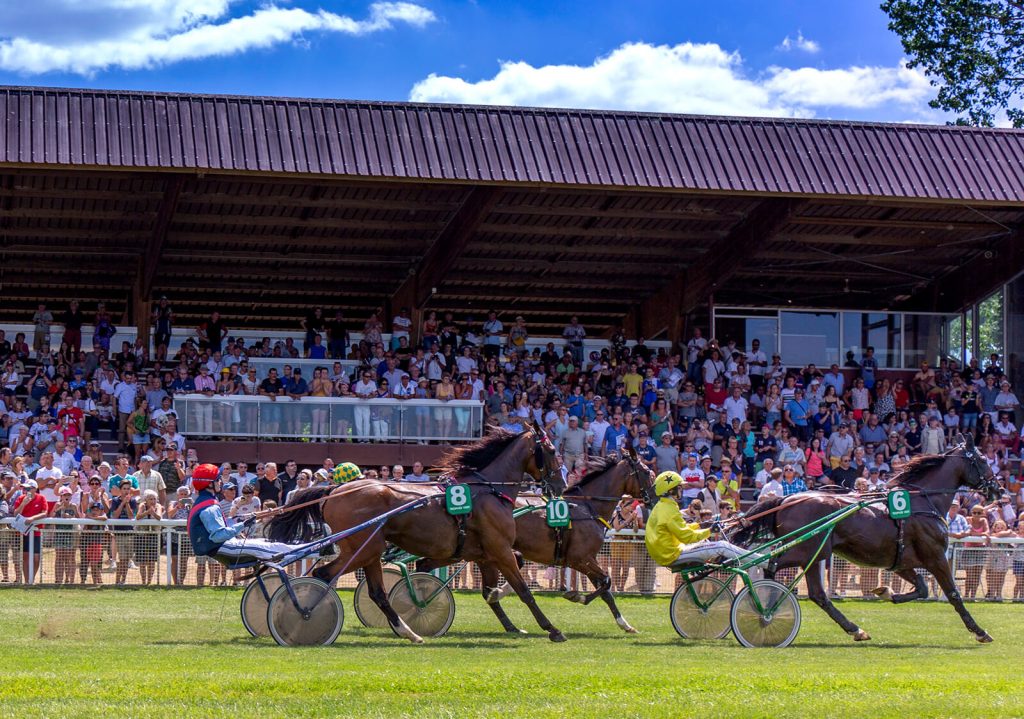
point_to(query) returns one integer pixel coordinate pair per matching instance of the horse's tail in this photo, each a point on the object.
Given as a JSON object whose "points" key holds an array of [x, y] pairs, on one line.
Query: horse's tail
{"points": [[761, 527], [302, 524]]}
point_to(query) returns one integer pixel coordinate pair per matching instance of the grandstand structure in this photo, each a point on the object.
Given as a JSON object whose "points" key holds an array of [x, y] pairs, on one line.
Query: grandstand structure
{"points": [[264, 208]]}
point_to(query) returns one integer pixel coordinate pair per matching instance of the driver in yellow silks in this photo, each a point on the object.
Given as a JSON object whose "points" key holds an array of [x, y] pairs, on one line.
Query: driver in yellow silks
{"points": [[672, 542]]}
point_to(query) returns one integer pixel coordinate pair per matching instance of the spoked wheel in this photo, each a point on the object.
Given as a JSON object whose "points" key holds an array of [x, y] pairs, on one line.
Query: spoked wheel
{"points": [[366, 611], [707, 617], [255, 603], [317, 619], [775, 624], [432, 620]]}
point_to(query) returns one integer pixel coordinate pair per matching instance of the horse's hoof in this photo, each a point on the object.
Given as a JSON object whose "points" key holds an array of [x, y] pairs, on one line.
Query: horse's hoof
{"points": [[515, 631], [983, 638], [625, 626], [631, 630], [861, 636], [556, 636], [883, 593]]}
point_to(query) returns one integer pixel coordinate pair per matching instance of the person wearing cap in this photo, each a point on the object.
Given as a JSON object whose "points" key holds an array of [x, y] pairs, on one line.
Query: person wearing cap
{"points": [[31, 506], [673, 542], [644, 448], [64, 537], [797, 414], [933, 437], [572, 445], [148, 478], [124, 507], [212, 537], [668, 458], [323, 478], [772, 486]]}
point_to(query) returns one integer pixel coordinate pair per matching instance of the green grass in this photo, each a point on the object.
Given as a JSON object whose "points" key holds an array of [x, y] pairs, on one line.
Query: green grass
{"points": [[158, 653]]}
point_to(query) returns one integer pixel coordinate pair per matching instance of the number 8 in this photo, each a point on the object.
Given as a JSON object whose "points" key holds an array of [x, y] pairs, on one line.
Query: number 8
{"points": [[458, 495]]}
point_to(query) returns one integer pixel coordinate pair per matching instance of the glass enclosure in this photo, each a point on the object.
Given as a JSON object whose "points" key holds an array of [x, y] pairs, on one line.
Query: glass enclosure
{"points": [[809, 338], [881, 330]]}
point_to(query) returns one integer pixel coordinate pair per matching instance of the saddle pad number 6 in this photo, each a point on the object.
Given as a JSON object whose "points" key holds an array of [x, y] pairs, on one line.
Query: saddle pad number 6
{"points": [[458, 499], [899, 504], [558, 513]]}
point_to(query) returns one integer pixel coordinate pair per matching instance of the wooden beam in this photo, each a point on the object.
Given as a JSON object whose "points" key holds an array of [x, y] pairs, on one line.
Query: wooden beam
{"points": [[970, 281], [916, 240], [887, 223], [325, 223], [443, 252], [685, 213], [663, 312], [610, 232]]}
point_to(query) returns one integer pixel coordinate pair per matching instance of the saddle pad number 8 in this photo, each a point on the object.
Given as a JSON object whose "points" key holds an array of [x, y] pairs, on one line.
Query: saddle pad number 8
{"points": [[458, 499], [899, 504], [558, 513]]}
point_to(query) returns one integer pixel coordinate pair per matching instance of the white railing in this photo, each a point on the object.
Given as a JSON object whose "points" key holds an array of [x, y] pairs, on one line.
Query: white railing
{"points": [[80, 550], [329, 418]]}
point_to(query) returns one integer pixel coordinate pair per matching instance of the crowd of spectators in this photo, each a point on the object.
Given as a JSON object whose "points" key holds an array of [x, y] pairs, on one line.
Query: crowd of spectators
{"points": [[734, 422]]}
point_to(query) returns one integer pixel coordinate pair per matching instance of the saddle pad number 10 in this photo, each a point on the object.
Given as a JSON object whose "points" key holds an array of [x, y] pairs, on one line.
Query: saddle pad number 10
{"points": [[458, 499], [558, 513], [899, 504]]}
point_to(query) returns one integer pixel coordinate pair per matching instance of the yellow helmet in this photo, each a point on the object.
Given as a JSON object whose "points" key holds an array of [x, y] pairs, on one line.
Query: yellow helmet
{"points": [[666, 482]]}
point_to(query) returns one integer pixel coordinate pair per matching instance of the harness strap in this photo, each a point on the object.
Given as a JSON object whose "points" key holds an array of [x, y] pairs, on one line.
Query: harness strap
{"points": [[460, 539], [899, 545], [559, 546]]}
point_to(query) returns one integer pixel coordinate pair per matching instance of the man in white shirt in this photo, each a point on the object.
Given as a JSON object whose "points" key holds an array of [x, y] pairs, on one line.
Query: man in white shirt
{"points": [[694, 347], [124, 395], [435, 364], [63, 459], [242, 477], [465, 362], [757, 363], [48, 477], [404, 389], [599, 426], [418, 475], [735, 406], [765, 475], [364, 389], [400, 327], [773, 487], [493, 331], [477, 384]]}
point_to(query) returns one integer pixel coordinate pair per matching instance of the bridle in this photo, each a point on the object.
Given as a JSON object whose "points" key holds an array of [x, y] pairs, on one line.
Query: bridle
{"points": [[637, 468]]}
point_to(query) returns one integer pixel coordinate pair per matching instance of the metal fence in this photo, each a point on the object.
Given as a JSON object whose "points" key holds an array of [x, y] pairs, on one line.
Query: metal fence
{"points": [[336, 419], [130, 553]]}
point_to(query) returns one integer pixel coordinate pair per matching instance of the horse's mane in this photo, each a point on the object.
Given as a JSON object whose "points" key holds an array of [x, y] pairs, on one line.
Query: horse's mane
{"points": [[475, 456], [595, 468], [919, 466]]}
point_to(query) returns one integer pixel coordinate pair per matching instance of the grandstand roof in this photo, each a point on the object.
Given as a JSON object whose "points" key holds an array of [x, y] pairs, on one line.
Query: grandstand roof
{"points": [[265, 207]]}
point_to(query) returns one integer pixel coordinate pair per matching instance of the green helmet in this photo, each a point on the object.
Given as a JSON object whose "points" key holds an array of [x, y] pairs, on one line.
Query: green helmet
{"points": [[666, 482], [346, 472]]}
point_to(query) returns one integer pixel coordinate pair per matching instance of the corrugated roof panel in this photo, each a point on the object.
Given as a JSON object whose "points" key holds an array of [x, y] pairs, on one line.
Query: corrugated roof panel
{"points": [[159, 130]]}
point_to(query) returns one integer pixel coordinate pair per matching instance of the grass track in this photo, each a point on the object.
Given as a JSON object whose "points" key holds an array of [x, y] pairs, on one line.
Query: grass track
{"points": [[158, 653]]}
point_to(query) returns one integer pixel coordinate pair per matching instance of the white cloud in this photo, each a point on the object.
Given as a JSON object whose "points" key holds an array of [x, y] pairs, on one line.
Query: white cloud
{"points": [[685, 78], [94, 35], [799, 42]]}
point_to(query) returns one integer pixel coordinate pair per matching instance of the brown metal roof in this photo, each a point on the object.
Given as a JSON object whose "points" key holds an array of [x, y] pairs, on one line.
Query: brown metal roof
{"points": [[121, 130]]}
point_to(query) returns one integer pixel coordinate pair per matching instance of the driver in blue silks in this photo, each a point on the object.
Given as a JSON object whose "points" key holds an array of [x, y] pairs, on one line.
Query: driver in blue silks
{"points": [[212, 537]]}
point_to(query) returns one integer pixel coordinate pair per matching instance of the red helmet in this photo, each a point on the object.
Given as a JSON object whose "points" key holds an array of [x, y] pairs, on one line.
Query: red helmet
{"points": [[203, 476]]}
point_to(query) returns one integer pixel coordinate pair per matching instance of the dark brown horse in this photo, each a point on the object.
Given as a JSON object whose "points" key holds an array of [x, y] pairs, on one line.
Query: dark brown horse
{"points": [[591, 504], [492, 468], [870, 538]]}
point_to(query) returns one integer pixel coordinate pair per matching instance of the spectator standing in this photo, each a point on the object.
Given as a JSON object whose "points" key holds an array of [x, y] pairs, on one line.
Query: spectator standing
{"points": [[73, 319], [268, 487], [574, 334], [493, 334], [212, 333], [124, 507], [163, 318], [313, 324], [42, 319], [401, 326], [148, 478]]}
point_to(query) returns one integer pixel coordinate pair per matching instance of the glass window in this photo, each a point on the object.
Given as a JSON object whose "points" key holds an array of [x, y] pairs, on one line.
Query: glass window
{"points": [[880, 330], [745, 329], [1015, 332], [970, 351], [809, 338], [929, 337], [955, 330], [990, 327]]}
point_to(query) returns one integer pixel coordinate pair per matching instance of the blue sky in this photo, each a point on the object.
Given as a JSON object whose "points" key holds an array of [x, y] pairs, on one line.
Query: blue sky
{"points": [[792, 57]]}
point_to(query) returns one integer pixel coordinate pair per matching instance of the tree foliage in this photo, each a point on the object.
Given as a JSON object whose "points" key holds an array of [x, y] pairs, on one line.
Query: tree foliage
{"points": [[972, 49]]}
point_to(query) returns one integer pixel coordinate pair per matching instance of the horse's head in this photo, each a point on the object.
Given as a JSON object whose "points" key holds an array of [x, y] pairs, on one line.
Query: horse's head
{"points": [[542, 464], [976, 473], [641, 478]]}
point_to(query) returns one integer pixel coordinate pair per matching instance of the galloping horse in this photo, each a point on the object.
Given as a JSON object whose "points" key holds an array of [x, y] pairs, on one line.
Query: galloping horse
{"points": [[870, 538], [491, 468], [591, 504]]}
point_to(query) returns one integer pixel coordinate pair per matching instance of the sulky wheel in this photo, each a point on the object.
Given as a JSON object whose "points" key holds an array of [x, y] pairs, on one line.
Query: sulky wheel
{"points": [[701, 610], [255, 600], [777, 621], [317, 619], [366, 611], [431, 620]]}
